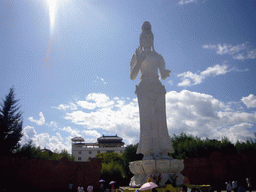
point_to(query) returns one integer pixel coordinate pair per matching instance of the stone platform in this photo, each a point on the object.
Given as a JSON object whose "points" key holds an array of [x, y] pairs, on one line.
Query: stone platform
{"points": [[163, 189], [159, 171]]}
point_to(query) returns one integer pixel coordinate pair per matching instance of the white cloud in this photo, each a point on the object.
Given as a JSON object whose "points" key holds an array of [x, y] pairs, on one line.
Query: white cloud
{"points": [[241, 51], [237, 132], [73, 132], [28, 134], [70, 106], [97, 100], [101, 79], [193, 113], [116, 116], [249, 101], [92, 133], [44, 140], [183, 2], [41, 121], [100, 99], [185, 82], [59, 136], [251, 54], [189, 78], [105, 118], [53, 124], [215, 70], [204, 116], [86, 104]]}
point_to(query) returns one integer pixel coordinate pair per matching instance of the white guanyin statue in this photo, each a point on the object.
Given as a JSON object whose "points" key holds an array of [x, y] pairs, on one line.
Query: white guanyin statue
{"points": [[154, 141]]}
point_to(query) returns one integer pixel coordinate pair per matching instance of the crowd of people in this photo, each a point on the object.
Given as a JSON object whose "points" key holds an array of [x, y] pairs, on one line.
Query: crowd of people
{"points": [[90, 188], [234, 186], [80, 188], [238, 186]]}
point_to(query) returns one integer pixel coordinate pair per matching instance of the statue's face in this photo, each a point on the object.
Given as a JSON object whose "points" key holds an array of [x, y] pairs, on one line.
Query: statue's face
{"points": [[146, 41]]}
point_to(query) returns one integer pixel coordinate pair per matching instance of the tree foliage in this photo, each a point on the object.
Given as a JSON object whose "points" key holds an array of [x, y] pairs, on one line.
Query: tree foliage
{"points": [[110, 157], [246, 147], [187, 146], [130, 155], [112, 166], [29, 151], [115, 165], [10, 124], [112, 169]]}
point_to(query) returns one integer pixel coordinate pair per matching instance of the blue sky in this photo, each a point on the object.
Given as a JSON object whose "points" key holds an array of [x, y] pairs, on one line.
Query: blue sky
{"points": [[69, 62]]}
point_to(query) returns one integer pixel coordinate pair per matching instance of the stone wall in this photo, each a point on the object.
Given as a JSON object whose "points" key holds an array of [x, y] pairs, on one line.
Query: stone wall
{"points": [[219, 168], [44, 175]]}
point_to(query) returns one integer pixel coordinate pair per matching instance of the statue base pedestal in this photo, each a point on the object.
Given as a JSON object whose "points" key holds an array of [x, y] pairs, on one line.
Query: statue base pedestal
{"points": [[159, 171], [163, 189]]}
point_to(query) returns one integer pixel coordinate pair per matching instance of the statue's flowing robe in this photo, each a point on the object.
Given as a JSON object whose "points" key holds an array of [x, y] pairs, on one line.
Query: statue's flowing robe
{"points": [[154, 138]]}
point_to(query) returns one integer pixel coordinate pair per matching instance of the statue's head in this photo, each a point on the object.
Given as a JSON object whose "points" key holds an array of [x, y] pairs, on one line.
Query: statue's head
{"points": [[146, 36], [146, 26]]}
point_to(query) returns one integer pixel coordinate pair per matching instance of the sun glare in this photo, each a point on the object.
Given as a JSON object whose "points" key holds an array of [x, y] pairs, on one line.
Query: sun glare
{"points": [[52, 4]]}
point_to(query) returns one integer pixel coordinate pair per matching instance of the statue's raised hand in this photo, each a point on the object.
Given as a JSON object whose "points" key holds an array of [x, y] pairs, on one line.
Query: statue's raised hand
{"points": [[140, 55], [165, 74], [136, 62]]}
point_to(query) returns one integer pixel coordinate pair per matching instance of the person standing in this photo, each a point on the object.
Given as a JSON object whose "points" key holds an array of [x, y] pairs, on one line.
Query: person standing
{"points": [[229, 187], [112, 188], [184, 188], [234, 186], [101, 187], [70, 186], [240, 188], [249, 185], [80, 188], [90, 188]]}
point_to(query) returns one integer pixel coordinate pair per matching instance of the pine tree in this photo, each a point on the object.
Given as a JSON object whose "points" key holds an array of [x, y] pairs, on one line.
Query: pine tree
{"points": [[10, 124]]}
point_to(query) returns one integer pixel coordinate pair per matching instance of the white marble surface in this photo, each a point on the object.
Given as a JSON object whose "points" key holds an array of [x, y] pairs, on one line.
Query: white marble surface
{"points": [[154, 138], [144, 169], [155, 143]]}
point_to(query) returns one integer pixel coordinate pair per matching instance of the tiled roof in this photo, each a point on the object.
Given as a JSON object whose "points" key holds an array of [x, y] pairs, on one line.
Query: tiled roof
{"points": [[110, 137], [77, 139]]}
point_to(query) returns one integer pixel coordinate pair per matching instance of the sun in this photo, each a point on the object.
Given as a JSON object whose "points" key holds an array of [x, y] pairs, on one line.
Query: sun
{"points": [[53, 9]]}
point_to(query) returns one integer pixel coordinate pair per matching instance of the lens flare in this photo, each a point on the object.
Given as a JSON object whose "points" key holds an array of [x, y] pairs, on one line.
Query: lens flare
{"points": [[52, 4]]}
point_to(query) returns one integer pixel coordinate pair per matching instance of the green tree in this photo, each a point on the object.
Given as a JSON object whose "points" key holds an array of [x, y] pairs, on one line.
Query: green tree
{"points": [[10, 124], [65, 153], [245, 147], [187, 146], [30, 151], [111, 157], [130, 155], [113, 170], [112, 166], [227, 147]]}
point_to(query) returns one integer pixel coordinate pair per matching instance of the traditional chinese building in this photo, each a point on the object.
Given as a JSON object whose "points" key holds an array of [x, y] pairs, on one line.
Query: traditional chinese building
{"points": [[83, 151]]}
